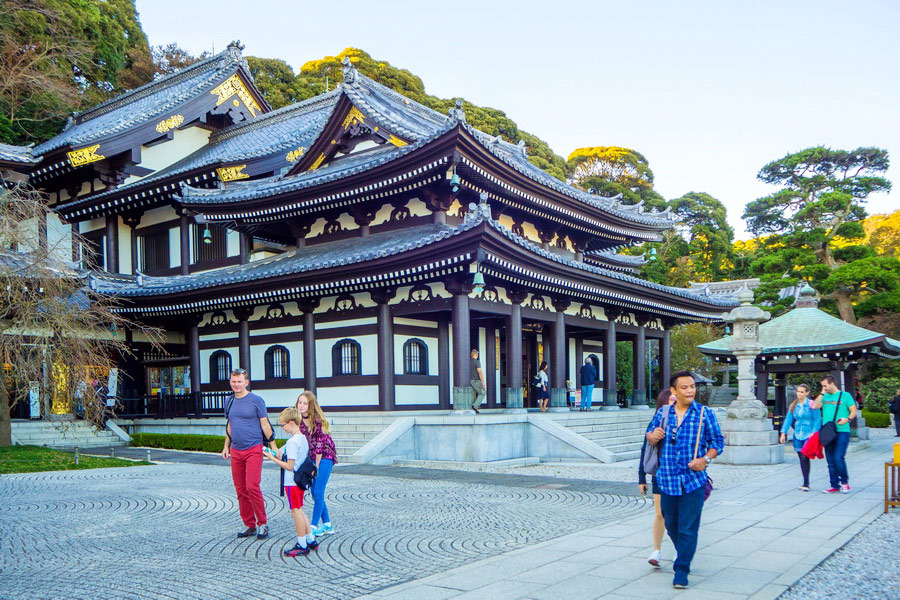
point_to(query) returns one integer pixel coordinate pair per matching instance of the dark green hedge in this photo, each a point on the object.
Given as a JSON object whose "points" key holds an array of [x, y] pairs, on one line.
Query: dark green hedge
{"points": [[179, 441], [878, 420]]}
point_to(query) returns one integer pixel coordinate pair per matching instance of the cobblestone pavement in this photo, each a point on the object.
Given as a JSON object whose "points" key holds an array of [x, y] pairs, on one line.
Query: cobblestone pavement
{"points": [[168, 531]]}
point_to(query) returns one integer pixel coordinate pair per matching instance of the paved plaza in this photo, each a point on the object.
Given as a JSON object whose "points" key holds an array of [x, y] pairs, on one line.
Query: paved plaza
{"points": [[168, 531]]}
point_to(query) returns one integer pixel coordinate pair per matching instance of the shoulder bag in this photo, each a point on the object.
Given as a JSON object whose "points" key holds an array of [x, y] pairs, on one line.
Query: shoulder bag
{"points": [[650, 459], [829, 430], [708, 488]]}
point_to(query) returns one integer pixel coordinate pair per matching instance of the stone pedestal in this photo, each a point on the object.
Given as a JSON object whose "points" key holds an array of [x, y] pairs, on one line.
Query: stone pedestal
{"points": [[514, 403], [462, 400], [750, 442], [609, 400], [558, 397]]}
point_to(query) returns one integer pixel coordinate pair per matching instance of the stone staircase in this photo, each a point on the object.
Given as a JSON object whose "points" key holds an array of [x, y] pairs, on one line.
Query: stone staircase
{"points": [[351, 432], [621, 432], [63, 434]]}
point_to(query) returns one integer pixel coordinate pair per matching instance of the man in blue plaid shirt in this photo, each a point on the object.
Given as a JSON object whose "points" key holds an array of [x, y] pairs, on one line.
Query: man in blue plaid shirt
{"points": [[682, 473]]}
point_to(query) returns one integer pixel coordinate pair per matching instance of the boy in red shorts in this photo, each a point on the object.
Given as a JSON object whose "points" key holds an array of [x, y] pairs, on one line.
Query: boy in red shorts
{"points": [[295, 451]]}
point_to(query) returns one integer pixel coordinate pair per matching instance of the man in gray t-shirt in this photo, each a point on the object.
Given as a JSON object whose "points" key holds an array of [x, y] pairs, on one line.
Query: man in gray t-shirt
{"points": [[477, 380]]}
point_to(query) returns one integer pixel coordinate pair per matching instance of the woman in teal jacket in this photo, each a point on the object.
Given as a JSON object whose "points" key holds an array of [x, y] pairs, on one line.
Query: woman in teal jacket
{"points": [[806, 421]]}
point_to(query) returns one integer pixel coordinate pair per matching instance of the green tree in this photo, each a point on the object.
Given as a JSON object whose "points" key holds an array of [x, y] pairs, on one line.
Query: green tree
{"points": [[685, 355], [613, 170], [171, 58], [813, 224], [710, 237], [58, 56]]}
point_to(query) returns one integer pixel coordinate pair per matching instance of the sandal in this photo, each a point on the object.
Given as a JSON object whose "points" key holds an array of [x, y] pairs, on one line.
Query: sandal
{"points": [[803, 488]]}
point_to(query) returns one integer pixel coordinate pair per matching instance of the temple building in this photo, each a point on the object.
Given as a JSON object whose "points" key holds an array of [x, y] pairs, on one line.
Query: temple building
{"points": [[357, 244]]}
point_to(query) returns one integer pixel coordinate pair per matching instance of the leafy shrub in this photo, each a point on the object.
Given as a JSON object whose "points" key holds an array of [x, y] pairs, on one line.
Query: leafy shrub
{"points": [[876, 419], [878, 393], [179, 441]]}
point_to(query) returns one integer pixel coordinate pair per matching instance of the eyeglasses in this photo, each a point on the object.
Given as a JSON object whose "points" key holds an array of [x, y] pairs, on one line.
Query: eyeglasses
{"points": [[239, 371], [674, 438]]}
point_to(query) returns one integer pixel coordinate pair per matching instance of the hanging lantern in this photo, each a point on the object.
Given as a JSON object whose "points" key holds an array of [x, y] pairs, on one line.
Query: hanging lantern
{"points": [[207, 235]]}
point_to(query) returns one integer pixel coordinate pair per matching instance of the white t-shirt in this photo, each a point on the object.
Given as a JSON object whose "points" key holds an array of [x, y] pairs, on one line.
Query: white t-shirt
{"points": [[296, 449]]}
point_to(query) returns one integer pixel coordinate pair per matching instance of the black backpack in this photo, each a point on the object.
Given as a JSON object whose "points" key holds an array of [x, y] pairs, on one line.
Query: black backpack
{"points": [[304, 477], [266, 440], [536, 380]]}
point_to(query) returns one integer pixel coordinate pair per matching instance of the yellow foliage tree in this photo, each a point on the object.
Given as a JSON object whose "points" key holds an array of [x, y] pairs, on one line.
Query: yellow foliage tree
{"points": [[883, 233]]}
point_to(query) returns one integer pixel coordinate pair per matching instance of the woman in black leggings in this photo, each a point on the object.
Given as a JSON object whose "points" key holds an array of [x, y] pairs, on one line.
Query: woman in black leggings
{"points": [[806, 421]]}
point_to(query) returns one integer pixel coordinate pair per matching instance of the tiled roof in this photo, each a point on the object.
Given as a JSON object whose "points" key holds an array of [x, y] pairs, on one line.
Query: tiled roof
{"points": [[146, 103], [276, 132], [808, 330], [625, 259], [19, 154]]}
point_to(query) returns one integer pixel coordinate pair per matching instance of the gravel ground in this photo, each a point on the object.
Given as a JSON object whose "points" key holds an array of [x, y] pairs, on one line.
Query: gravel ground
{"points": [[884, 432], [867, 567]]}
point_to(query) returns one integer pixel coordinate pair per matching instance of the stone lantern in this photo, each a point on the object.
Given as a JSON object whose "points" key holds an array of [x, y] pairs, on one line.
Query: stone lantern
{"points": [[749, 436]]}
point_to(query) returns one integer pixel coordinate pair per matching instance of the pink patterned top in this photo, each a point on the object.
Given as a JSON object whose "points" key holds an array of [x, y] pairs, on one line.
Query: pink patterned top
{"points": [[319, 442]]}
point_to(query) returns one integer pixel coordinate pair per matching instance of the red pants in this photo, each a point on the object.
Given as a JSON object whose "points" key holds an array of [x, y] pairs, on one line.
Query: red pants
{"points": [[246, 472]]}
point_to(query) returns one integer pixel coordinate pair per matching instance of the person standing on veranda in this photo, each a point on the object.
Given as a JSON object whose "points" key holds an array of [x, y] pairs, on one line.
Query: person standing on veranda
{"points": [[477, 380], [838, 406], [682, 468], [588, 376], [247, 430]]}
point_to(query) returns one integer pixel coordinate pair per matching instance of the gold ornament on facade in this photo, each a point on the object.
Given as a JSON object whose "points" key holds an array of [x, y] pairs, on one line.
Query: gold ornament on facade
{"points": [[84, 156], [293, 155], [168, 124], [318, 162], [354, 116], [232, 173], [234, 86], [397, 141]]}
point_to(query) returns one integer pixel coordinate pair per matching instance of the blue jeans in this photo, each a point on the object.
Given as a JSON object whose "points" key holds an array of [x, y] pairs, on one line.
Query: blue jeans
{"points": [[318, 491], [587, 392], [682, 517], [835, 454]]}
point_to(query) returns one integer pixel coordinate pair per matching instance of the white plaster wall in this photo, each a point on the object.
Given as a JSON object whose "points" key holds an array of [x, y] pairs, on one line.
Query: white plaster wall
{"points": [[232, 243], [157, 215], [383, 214], [450, 337], [174, 247], [28, 230], [417, 208], [59, 237], [92, 225], [416, 322], [279, 398], [124, 247], [295, 329], [204, 361], [357, 395], [430, 343], [575, 362], [219, 336], [183, 142], [416, 394], [347, 323], [363, 300]]}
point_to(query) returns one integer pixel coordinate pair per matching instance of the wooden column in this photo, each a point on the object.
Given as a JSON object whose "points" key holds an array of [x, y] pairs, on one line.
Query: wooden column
{"points": [[780, 394], [385, 348], [558, 392], [640, 395], [185, 244], [243, 316], [490, 366], [463, 393], [112, 243], [444, 362], [309, 343], [665, 358], [609, 364], [194, 352], [514, 351], [245, 242], [133, 220], [579, 361]]}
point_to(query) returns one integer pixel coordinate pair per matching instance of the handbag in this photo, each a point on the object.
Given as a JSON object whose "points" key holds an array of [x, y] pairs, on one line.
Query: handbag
{"points": [[650, 459], [708, 488], [828, 431]]}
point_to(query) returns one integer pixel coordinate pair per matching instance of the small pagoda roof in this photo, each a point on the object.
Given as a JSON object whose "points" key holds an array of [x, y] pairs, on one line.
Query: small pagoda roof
{"points": [[17, 155], [614, 260], [807, 330], [147, 103]]}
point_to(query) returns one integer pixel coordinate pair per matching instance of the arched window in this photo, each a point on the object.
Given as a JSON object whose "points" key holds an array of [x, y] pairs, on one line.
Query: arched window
{"points": [[278, 363], [596, 362], [415, 357], [219, 366], [346, 358]]}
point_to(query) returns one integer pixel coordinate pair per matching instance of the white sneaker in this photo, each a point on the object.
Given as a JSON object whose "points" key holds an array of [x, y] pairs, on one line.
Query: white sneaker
{"points": [[653, 559]]}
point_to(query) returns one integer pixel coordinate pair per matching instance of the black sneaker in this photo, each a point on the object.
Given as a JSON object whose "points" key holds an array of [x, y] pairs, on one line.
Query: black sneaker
{"points": [[263, 532], [477, 412], [250, 531], [313, 545], [297, 551]]}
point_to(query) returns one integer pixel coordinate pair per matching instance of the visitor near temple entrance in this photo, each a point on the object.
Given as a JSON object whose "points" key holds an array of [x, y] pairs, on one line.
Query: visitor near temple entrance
{"points": [[838, 407], [322, 451], [689, 443], [477, 381], [246, 431], [895, 410], [805, 420], [588, 377]]}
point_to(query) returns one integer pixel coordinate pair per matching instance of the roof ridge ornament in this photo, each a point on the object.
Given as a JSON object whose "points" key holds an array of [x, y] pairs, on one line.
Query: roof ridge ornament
{"points": [[457, 113], [348, 70], [480, 211], [806, 297], [523, 148]]}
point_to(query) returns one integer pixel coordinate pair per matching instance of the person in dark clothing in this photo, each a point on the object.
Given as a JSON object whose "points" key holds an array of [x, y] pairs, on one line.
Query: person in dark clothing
{"points": [[477, 380], [588, 377], [895, 410]]}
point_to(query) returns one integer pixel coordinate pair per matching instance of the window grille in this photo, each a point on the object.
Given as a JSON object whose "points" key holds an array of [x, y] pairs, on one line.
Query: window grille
{"points": [[219, 366], [278, 363], [215, 250], [415, 357], [155, 251], [346, 358]]}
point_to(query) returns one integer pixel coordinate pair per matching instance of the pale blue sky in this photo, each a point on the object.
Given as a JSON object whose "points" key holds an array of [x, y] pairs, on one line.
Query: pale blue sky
{"points": [[708, 90]]}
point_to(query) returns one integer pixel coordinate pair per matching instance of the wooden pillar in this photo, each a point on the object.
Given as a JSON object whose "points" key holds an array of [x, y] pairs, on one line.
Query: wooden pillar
{"points": [[514, 352], [133, 220], [444, 362], [243, 315], [609, 364], [780, 394], [558, 392], [185, 244], [309, 343], [112, 243], [194, 352], [463, 394], [640, 395], [244, 248], [385, 330], [665, 358], [579, 361]]}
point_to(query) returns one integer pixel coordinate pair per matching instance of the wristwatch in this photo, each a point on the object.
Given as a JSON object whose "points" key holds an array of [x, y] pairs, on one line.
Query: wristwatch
{"points": [[708, 459]]}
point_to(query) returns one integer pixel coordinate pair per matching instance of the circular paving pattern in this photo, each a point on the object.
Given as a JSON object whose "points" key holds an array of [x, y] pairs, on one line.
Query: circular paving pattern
{"points": [[168, 531]]}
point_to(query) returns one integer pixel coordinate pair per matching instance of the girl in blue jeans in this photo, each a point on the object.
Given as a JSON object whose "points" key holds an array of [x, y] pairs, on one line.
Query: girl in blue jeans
{"points": [[321, 449], [806, 421]]}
